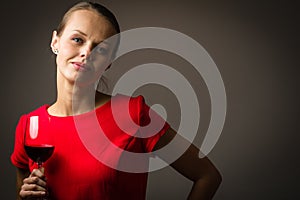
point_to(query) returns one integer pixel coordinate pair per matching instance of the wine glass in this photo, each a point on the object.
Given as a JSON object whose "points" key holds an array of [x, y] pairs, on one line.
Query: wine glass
{"points": [[38, 141]]}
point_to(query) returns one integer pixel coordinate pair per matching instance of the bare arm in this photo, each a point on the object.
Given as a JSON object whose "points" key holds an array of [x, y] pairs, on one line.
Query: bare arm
{"points": [[201, 171]]}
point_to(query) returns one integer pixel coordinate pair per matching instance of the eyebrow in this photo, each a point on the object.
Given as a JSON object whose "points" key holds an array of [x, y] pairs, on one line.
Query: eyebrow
{"points": [[82, 33]]}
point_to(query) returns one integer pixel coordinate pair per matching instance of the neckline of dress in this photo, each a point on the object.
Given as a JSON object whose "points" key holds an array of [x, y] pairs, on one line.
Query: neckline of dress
{"points": [[95, 110]]}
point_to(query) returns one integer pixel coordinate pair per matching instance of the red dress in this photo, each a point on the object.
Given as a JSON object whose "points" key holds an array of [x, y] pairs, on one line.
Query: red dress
{"points": [[77, 170]]}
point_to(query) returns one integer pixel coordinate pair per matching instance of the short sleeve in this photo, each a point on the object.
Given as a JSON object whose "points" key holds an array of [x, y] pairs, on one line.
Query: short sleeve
{"points": [[151, 123], [19, 157]]}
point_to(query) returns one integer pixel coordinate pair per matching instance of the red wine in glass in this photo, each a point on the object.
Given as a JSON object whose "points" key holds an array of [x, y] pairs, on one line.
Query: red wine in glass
{"points": [[39, 153], [37, 140]]}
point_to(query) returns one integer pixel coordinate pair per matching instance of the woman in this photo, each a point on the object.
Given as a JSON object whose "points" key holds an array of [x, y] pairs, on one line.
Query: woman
{"points": [[72, 172]]}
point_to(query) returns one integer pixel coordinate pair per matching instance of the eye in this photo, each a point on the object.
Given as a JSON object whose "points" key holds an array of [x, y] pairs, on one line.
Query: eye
{"points": [[102, 50], [77, 40]]}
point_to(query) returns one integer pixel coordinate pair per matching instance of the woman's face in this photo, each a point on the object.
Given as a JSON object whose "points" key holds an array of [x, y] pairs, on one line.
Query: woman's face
{"points": [[84, 31]]}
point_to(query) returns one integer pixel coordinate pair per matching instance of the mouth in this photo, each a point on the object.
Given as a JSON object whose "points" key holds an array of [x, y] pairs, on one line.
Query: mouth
{"points": [[79, 66]]}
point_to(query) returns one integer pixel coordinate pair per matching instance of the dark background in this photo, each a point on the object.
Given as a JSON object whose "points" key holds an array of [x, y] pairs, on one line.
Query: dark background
{"points": [[255, 45]]}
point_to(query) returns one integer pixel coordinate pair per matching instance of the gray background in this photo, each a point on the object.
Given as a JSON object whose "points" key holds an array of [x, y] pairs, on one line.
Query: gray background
{"points": [[255, 45]]}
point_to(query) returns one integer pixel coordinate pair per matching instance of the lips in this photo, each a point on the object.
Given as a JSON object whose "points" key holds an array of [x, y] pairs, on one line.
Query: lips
{"points": [[79, 66]]}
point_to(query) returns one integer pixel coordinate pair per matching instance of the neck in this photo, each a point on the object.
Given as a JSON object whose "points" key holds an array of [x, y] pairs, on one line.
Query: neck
{"points": [[72, 99]]}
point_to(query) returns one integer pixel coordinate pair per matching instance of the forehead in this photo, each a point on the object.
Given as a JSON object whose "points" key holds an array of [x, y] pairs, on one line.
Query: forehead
{"points": [[91, 23]]}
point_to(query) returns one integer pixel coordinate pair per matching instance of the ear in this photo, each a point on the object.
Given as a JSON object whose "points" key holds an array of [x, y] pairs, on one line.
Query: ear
{"points": [[54, 41]]}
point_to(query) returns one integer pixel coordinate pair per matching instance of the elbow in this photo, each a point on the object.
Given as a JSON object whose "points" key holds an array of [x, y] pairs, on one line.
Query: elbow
{"points": [[206, 186], [214, 181], [218, 178], [215, 177]]}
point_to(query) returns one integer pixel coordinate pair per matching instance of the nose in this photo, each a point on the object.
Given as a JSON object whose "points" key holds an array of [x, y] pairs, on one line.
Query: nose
{"points": [[85, 51]]}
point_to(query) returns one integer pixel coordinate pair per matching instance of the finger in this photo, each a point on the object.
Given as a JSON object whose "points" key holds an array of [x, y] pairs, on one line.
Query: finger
{"points": [[32, 190], [35, 180], [38, 173], [25, 194], [32, 187]]}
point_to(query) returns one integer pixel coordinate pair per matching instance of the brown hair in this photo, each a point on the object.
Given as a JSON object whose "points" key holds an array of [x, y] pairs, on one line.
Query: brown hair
{"points": [[100, 9]]}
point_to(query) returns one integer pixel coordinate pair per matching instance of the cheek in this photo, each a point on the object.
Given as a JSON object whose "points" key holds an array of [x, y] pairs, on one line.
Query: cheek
{"points": [[67, 51], [101, 63]]}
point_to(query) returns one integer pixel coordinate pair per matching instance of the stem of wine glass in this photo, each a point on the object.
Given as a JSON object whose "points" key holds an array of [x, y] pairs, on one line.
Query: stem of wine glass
{"points": [[40, 164]]}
